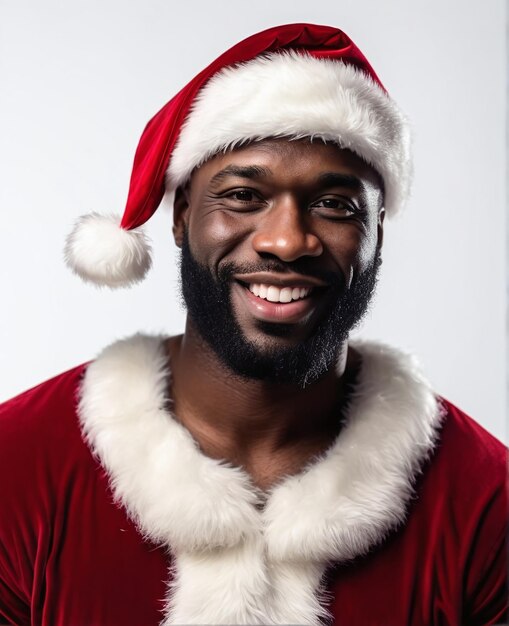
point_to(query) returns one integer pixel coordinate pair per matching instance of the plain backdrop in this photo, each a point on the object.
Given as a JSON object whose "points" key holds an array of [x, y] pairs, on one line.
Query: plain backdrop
{"points": [[80, 79]]}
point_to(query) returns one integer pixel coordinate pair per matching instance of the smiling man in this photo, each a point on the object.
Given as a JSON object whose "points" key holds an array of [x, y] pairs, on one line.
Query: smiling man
{"points": [[260, 468]]}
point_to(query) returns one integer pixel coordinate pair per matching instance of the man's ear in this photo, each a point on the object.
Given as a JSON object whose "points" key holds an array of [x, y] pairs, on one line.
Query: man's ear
{"points": [[180, 211]]}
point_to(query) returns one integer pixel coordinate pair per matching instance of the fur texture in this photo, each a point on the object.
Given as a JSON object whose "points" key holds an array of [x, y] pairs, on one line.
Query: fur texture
{"points": [[233, 564], [101, 252], [295, 95]]}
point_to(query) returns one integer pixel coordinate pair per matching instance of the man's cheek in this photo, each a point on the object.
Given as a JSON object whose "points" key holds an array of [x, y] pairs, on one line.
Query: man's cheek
{"points": [[217, 234], [236, 304]]}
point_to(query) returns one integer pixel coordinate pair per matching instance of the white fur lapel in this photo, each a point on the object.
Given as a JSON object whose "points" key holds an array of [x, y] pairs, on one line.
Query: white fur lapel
{"points": [[233, 563]]}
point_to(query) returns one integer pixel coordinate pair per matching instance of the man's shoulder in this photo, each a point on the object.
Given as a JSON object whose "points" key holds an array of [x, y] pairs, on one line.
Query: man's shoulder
{"points": [[41, 420], [468, 470], [53, 404], [465, 442], [47, 399]]}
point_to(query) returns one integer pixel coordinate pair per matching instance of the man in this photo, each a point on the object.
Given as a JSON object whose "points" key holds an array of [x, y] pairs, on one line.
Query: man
{"points": [[260, 468]]}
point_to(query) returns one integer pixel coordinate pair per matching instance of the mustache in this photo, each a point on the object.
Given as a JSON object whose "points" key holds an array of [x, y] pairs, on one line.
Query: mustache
{"points": [[300, 266]]}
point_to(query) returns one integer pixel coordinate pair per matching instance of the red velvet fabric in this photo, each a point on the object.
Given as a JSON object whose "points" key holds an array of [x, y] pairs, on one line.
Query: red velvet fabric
{"points": [[69, 556], [448, 565], [161, 133]]}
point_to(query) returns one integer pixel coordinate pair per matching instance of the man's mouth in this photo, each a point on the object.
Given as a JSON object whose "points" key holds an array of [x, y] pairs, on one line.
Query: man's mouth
{"points": [[283, 295], [278, 298]]}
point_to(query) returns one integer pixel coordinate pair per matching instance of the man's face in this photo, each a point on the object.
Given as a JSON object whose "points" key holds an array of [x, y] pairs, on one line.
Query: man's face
{"points": [[280, 251]]}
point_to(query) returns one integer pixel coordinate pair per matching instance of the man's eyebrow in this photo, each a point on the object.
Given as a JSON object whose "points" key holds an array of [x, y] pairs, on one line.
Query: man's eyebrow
{"points": [[335, 179], [249, 171]]}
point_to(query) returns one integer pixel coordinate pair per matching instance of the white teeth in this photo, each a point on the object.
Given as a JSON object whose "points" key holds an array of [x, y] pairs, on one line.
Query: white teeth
{"points": [[279, 294], [273, 294], [285, 295]]}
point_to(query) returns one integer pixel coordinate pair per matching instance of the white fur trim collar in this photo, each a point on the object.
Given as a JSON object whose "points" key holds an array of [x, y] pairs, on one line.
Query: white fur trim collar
{"points": [[232, 563]]}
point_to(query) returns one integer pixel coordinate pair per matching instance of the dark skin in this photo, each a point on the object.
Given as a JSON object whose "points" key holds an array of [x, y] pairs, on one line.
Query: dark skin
{"points": [[248, 205]]}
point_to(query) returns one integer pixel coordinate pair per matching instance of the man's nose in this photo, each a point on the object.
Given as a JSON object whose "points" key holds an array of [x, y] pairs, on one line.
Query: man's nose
{"points": [[284, 232]]}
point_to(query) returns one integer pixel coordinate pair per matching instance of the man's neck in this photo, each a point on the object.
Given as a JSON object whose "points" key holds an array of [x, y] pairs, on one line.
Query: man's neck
{"points": [[270, 429]]}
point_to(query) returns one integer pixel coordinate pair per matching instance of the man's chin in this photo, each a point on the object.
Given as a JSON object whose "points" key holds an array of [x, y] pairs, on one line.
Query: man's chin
{"points": [[269, 335], [278, 353], [274, 361]]}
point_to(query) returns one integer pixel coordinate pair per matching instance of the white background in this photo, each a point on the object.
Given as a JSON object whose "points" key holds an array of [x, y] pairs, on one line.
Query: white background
{"points": [[79, 80]]}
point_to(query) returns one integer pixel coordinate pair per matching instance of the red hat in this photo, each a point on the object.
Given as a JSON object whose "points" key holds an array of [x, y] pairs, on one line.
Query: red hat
{"points": [[296, 81]]}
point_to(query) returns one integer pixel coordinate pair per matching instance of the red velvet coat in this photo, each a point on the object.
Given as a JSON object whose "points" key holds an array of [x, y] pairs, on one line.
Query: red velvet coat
{"points": [[71, 555]]}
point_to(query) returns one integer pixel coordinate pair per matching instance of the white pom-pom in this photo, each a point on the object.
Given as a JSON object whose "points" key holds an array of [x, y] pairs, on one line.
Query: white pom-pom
{"points": [[101, 252]]}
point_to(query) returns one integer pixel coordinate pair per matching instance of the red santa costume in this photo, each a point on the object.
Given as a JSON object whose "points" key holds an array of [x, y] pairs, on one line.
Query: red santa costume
{"points": [[111, 515]]}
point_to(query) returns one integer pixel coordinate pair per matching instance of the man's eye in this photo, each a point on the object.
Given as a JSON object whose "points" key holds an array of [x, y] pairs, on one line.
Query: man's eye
{"points": [[242, 195], [335, 205]]}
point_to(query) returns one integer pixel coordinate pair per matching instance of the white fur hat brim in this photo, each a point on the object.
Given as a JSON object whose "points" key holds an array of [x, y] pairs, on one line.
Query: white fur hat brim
{"points": [[295, 95]]}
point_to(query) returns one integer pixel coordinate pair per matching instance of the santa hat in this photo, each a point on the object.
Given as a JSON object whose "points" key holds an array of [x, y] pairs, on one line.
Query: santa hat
{"points": [[295, 81]]}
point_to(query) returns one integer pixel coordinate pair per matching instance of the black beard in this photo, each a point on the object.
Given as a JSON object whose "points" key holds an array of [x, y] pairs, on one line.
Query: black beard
{"points": [[209, 306]]}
